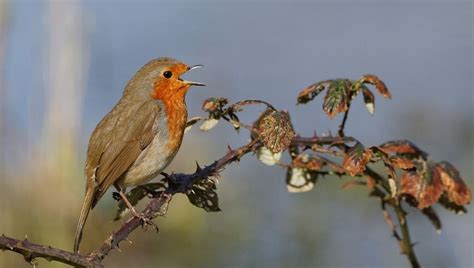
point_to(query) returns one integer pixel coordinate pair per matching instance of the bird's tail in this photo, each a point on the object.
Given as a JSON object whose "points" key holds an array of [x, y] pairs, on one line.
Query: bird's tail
{"points": [[86, 207]]}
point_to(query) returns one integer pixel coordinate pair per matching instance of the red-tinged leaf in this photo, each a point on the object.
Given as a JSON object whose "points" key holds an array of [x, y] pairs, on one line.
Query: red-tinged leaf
{"points": [[312, 91], [379, 84], [275, 130], [431, 214], [337, 97], [401, 147], [308, 162], [371, 182], [444, 201], [214, 104], [401, 163], [351, 184], [425, 188], [457, 190], [369, 100], [356, 159]]}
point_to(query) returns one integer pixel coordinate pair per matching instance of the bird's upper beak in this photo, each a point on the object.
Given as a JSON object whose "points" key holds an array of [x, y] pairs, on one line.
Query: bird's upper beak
{"points": [[192, 83]]}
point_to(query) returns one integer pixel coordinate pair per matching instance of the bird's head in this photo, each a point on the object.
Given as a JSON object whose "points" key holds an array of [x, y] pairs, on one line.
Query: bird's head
{"points": [[160, 79]]}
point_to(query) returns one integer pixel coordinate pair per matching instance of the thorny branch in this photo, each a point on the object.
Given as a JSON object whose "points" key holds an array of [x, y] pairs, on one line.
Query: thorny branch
{"points": [[423, 183]]}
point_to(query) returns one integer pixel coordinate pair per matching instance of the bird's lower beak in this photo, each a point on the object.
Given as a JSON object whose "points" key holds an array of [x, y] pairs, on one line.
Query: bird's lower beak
{"points": [[192, 83]]}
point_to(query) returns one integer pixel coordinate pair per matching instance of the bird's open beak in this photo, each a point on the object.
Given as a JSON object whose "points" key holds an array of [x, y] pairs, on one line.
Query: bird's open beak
{"points": [[192, 83]]}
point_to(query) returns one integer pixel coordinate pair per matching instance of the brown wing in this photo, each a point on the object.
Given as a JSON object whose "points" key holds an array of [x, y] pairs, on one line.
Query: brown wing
{"points": [[118, 141]]}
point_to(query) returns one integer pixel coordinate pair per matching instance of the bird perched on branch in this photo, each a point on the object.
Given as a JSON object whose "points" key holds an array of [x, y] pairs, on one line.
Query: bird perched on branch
{"points": [[140, 136]]}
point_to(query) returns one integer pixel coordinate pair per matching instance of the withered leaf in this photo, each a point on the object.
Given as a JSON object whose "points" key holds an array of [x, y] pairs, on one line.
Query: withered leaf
{"points": [[369, 100], [356, 159], [308, 162], [312, 91], [337, 97], [403, 147], [214, 104], [425, 188], [267, 157], [203, 195], [431, 214], [275, 130], [379, 84], [444, 201], [457, 190], [300, 180], [401, 162]]}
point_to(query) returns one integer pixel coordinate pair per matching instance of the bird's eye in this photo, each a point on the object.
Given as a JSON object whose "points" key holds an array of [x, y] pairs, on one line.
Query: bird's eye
{"points": [[167, 74]]}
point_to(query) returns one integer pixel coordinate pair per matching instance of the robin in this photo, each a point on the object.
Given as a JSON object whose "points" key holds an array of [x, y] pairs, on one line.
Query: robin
{"points": [[140, 136]]}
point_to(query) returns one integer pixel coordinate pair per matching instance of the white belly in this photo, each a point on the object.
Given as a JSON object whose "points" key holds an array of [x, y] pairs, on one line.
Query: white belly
{"points": [[157, 156]]}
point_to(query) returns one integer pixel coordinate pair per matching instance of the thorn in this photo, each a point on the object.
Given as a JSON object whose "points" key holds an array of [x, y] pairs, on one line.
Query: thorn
{"points": [[117, 248], [128, 240], [315, 135], [198, 168], [438, 231], [229, 148], [414, 244]]}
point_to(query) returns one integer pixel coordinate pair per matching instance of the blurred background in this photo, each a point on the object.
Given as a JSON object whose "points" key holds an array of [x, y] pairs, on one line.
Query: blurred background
{"points": [[64, 64]]}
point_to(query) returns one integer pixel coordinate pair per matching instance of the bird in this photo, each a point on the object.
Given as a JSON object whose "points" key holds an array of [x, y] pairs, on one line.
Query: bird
{"points": [[140, 136]]}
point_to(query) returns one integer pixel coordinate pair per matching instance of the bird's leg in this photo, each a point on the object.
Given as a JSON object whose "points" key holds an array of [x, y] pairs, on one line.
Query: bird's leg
{"points": [[145, 220], [128, 204]]}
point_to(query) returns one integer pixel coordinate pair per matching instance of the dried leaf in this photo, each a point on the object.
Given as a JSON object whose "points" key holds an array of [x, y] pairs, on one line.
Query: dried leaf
{"points": [[300, 180], [275, 130], [457, 190], [208, 124], [191, 122], [425, 188], [267, 157], [203, 195], [369, 100], [401, 162], [356, 159], [379, 84], [308, 162], [312, 91], [403, 147], [337, 97], [214, 104], [444, 201], [431, 214]]}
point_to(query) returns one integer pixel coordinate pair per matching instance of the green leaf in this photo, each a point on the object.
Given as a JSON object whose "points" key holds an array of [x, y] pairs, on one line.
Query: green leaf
{"points": [[337, 97], [312, 91]]}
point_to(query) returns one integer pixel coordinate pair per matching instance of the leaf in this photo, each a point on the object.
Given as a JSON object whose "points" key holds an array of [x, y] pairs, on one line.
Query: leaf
{"points": [[312, 91], [275, 130], [356, 159], [308, 162], [369, 100], [300, 180], [208, 124], [203, 195], [337, 97], [431, 214], [267, 157], [401, 163], [444, 201], [191, 122], [379, 84], [425, 188], [135, 195], [214, 104], [403, 147], [454, 185]]}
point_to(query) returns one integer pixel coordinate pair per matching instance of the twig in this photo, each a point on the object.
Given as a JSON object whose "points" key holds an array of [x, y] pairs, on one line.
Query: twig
{"points": [[32, 251]]}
